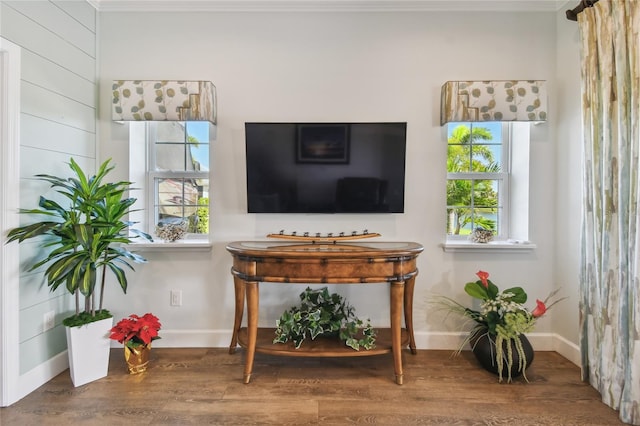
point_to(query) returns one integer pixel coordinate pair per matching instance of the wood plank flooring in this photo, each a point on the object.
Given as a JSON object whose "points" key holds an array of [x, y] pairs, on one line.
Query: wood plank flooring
{"points": [[204, 386]]}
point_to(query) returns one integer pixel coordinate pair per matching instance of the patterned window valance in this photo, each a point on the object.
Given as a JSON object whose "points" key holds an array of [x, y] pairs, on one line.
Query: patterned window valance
{"points": [[504, 100], [161, 100]]}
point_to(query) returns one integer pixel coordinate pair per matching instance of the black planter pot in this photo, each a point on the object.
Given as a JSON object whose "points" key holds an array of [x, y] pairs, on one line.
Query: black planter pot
{"points": [[483, 346]]}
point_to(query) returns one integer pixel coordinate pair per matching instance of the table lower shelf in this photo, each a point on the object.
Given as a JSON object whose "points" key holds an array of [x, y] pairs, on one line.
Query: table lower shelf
{"points": [[321, 346]]}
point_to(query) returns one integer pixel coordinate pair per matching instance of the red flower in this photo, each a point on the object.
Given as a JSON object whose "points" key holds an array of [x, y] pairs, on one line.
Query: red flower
{"points": [[136, 330], [484, 278], [540, 309]]}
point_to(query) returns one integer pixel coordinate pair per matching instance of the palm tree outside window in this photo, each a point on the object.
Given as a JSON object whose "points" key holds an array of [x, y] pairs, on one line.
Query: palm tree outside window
{"points": [[477, 178]]}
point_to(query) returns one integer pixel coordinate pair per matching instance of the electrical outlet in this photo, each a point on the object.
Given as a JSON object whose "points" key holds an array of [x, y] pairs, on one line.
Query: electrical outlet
{"points": [[176, 297], [49, 320]]}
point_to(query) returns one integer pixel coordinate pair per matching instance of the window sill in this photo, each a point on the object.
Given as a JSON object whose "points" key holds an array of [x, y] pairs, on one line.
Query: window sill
{"points": [[180, 245], [509, 246]]}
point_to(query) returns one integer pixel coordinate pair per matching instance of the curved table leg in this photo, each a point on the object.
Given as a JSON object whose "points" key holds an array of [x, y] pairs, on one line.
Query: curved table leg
{"points": [[252, 293], [240, 297], [408, 312], [397, 298]]}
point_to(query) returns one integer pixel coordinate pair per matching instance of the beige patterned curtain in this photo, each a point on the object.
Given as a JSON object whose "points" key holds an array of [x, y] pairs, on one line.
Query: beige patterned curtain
{"points": [[610, 280]]}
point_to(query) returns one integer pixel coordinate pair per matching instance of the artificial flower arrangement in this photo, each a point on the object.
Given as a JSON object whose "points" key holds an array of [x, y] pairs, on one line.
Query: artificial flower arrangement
{"points": [[502, 317], [136, 330]]}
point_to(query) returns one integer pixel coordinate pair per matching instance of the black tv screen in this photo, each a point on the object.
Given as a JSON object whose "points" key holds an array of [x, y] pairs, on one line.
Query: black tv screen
{"points": [[325, 167]]}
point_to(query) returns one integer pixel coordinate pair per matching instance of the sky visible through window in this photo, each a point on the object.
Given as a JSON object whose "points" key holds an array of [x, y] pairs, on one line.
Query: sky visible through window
{"points": [[200, 130]]}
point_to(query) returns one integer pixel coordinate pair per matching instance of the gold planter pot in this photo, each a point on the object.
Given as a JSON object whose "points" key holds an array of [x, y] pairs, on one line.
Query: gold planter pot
{"points": [[137, 358]]}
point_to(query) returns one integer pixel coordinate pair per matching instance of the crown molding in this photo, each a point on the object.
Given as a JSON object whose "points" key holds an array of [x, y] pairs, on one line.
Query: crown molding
{"points": [[327, 5]]}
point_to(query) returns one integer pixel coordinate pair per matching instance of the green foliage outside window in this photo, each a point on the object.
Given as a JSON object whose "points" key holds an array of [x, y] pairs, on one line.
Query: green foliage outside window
{"points": [[471, 202], [203, 216]]}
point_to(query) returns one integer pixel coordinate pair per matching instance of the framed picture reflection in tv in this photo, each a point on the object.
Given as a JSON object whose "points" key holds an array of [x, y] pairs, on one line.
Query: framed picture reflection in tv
{"points": [[322, 143]]}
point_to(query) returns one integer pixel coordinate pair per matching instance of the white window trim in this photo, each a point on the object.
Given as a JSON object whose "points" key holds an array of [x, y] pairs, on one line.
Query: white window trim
{"points": [[516, 222], [507, 246], [182, 245]]}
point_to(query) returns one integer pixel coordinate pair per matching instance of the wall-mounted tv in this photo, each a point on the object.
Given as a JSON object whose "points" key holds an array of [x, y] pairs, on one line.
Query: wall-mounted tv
{"points": [[325, 167]]}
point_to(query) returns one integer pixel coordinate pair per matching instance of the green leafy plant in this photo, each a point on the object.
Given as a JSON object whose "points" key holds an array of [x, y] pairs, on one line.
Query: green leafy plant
{"points": [[203, 215], [85, 237], [323, 314], [502, 317]]}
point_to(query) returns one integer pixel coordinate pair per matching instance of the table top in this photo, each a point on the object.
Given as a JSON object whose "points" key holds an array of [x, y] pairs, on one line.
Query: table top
{"points": [[338, 249]]}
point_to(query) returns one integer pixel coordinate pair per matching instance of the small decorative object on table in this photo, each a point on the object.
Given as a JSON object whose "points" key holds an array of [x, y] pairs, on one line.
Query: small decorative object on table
{"points": [[136, 333], [481, 235], [171, 232], [498, 339], [329, 237]]}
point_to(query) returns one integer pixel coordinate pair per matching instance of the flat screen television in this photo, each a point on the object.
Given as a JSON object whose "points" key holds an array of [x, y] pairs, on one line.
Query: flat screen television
{"points": [[325, 167]]}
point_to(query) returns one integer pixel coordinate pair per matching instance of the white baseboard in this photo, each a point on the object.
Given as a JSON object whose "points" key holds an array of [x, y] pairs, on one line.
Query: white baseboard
{"points": [[41, 374], [189, 339], [567, 349], [424, 340], [539, 341]]}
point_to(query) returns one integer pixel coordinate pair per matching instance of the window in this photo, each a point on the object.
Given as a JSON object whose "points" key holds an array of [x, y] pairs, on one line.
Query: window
{"points": [[477, 178], [179, 174], [176, 175], [488, 184]]}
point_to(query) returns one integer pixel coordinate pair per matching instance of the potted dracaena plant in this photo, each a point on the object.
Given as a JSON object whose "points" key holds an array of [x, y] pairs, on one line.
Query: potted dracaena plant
{"points": [[84, 238]]}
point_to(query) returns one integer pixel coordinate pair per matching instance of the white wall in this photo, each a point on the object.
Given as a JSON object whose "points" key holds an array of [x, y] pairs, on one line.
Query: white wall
{"points": [[568, 202], [332, 67], [57, 121]]}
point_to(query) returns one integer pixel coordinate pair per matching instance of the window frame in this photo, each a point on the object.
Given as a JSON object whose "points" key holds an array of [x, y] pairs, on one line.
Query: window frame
{"points": [[152, 175], [502, 178], [138, 155], [519, 187]]}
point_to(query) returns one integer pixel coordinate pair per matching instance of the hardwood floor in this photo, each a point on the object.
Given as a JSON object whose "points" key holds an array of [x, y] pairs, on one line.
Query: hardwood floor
{"points": [[204, 386]]}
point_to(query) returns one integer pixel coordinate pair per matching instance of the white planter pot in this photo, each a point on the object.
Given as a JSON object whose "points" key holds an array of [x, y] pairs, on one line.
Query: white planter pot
{"points": [[88, 348]]}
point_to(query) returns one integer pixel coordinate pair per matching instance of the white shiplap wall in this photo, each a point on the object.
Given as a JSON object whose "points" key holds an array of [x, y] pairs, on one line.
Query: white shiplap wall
{"points": [[57, 122]]}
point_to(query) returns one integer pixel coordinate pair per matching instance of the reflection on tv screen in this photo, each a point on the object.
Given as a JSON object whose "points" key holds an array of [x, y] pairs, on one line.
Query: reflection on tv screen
{"points": [[325, 167]]}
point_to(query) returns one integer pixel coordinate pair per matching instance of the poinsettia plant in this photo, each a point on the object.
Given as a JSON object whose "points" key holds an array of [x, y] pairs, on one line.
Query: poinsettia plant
{"points": [[502, 315], [136, 330]]}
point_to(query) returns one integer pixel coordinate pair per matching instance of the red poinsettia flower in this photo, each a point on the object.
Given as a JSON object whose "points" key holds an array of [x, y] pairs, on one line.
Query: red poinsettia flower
{"points": [[484, 278], [136, 330], [540, 309]]}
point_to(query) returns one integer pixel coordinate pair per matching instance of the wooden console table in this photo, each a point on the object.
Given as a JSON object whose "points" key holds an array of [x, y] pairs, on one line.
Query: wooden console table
{"points": [[332, 263]]}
